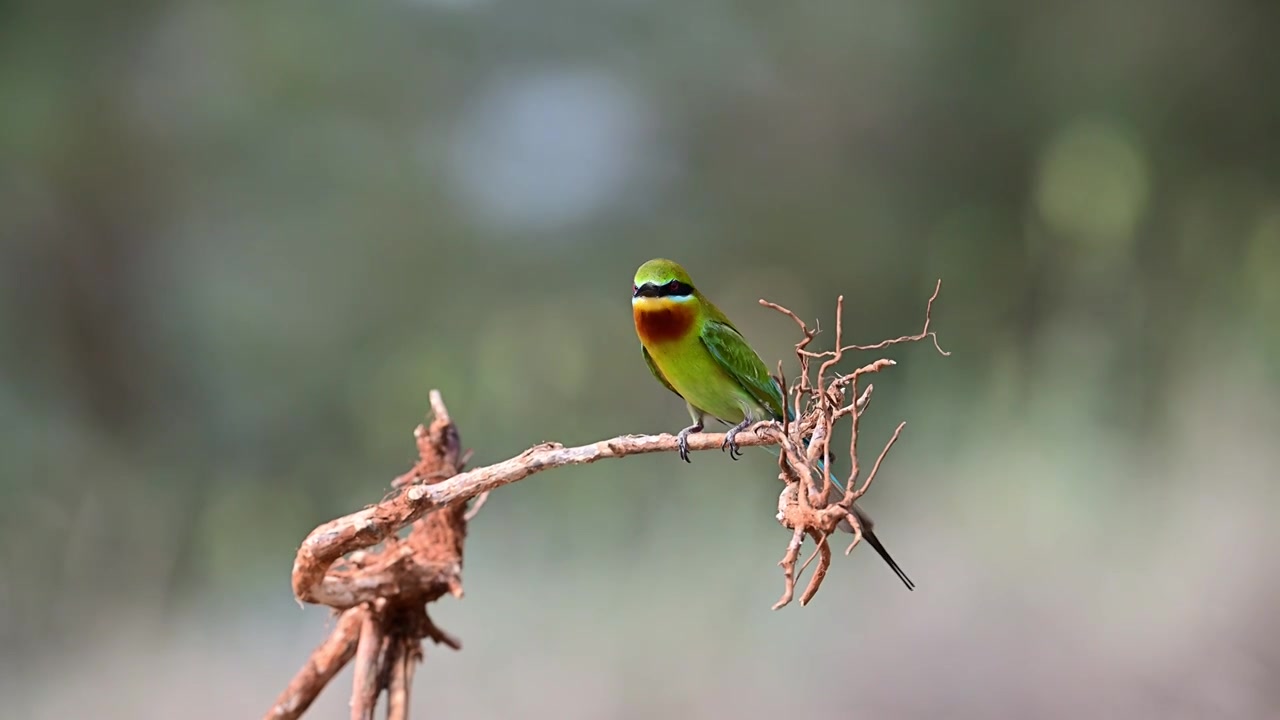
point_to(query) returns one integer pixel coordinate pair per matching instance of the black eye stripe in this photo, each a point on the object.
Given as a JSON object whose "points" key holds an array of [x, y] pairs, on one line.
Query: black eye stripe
{"points": [[673, 288]]}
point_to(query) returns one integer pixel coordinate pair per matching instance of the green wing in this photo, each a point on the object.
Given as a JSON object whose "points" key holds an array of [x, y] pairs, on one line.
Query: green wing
{"points": [[656, 372], [732, 352]]}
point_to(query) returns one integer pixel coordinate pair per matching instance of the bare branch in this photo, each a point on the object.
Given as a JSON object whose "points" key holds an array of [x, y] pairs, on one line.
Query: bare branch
{"points": [[826, 397], [365, 696], [856, 524], [788, 565], [809, 334], [325, 662], [864, 399], [835, 356], [819, 573], [387, 590], [924, 333], [329, 542], [474, 510], [400, 684], [441, 413], [876, 468]]}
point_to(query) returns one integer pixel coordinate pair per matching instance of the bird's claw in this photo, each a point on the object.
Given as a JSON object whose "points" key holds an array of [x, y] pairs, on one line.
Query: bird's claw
{"points": [[682, 441], [735, 452]]}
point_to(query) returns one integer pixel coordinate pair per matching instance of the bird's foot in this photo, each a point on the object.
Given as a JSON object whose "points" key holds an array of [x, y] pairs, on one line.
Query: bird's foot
{"points": [[734, 451], [682, 440]]}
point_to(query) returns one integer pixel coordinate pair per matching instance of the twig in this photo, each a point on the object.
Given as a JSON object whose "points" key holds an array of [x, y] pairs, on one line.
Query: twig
{"points": [[788, 565], [441, 413], [440, 637], [481, 499], [925, 333], [364, 698], [400, 684], [876, 468], [805, 566], [839, 352], [851, 494], [825, 406], [819, 573], [324, 663]]}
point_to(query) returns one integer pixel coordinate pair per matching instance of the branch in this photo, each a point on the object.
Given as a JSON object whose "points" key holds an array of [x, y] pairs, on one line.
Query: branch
{"points": [[788, 565], [364, 698], [325, 662], [362, 529], [400, 685], [924, 333], [387, 591], [824, 402]]}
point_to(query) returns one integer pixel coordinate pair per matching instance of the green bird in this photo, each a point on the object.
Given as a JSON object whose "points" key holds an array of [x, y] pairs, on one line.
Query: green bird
{"points": [[695, 352]]}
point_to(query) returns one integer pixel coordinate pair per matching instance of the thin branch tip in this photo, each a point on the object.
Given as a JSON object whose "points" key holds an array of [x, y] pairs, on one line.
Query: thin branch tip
{"points": [[438, 408]]}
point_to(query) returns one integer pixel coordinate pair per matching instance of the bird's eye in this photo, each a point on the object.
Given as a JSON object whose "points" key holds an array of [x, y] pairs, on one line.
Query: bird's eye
{"points": [[673, 286]]}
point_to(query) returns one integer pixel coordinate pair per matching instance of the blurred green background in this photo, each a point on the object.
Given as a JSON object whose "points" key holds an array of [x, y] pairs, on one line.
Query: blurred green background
{"points": [[242, 242]]}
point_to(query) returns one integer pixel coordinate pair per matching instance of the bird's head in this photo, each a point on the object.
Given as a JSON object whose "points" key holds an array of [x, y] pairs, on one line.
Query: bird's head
{"points": [[661, 278]]}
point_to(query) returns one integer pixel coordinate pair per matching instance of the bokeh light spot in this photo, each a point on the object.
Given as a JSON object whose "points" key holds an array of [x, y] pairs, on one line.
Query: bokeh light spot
{"points": [[542, 151], [1093, 185]]}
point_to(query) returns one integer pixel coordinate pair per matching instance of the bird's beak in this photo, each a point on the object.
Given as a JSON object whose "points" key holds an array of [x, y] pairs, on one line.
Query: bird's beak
{"points": [[645, 290]]}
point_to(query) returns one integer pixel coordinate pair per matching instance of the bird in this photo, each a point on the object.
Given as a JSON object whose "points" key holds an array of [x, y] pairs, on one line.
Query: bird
{"points": [[695, 351]]}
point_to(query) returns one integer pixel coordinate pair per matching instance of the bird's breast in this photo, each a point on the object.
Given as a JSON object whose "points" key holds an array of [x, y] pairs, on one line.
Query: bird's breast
{"points": [[659, 321]]}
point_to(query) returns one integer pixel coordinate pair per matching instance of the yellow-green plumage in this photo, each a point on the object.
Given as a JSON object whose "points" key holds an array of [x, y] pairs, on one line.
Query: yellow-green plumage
{"points": [[695, 352]]}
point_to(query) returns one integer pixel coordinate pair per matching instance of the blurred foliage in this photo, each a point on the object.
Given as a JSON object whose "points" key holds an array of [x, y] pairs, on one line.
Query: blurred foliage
{"points": [[240, 243]]}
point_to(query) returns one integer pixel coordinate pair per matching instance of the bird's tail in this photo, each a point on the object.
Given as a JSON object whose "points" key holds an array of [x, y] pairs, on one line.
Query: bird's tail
{"points": [[868, 527]]}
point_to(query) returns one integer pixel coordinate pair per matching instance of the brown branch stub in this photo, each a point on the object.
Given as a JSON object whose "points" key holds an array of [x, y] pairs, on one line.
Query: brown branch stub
{"points": [[819, 573], [401, 663], [364, 696], [788, 565], [384, 591]]}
